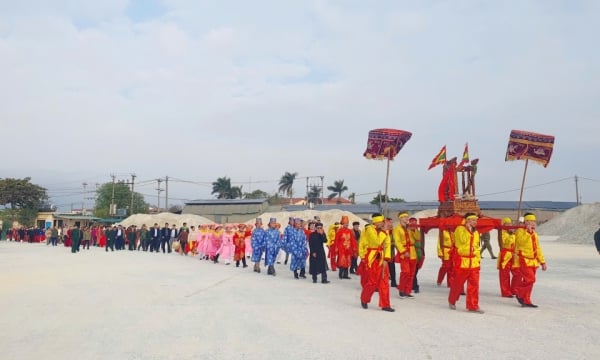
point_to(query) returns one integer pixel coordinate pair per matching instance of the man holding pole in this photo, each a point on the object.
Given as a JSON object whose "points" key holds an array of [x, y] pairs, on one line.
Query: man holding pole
{"points": [[375, 254]]}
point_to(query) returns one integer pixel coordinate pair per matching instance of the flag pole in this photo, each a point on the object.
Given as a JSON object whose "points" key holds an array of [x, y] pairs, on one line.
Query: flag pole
{"points": [[387, 178], [522, 187]]}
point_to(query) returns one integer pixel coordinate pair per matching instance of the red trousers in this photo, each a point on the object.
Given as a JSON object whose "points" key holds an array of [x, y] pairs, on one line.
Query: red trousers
{"points": [[332, 258], [377, 277], [407, 274], [471, 276], [446, 269], [507, 285], [524, 286]]}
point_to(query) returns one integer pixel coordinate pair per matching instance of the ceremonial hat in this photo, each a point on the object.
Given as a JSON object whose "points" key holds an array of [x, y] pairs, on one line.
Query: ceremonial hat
{"points": [[507, 220], [272, 220], [344, 220], [258, 220], [403, 214]]}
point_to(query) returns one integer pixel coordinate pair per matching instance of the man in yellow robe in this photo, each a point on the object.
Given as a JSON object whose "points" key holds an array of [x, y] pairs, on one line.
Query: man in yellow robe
{"points": [[466, 264], [529, 257], [375, 254]]}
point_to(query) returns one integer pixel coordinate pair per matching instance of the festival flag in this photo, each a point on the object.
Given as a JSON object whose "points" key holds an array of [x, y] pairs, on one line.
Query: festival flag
{"points": [[529, 145], [465, 157], [439, 159], [385, 143]]}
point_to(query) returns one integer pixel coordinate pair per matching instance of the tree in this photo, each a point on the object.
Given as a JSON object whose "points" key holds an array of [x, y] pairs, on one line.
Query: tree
{"points": [[122, 200], [24, 198], [337, 189], [20, 193], [314, 194], [222, 187], [352, 198], [380, 199], [286, 184], [256, 194]]}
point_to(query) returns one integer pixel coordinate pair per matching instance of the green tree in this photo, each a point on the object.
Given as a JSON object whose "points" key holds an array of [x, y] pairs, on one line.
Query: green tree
{"points": [[256, 194], [23, 198], [337, 189], [352, 198], [380, 199], [314, 194], [122, 200], [286, 184], [20, 193], [223, 189]]}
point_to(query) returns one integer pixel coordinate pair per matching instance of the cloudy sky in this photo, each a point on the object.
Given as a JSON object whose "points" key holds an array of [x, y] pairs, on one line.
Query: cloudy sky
{"points": [[197, 90]]}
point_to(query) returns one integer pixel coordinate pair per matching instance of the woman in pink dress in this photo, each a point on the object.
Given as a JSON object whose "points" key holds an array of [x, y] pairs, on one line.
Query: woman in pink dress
{"points": [[248, 240], [201, 240], [226, 249], [214, 242]]}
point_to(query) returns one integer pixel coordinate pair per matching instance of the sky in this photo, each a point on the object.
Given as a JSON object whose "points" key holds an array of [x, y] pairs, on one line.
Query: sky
{"points": [[197, 90]]}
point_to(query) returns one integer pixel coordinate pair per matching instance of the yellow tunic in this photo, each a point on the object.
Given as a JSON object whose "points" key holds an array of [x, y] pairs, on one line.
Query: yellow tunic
{"points": [[527, 246], [466, 244], [508, 247], [444, 246], [372, 244], [404, 242]]}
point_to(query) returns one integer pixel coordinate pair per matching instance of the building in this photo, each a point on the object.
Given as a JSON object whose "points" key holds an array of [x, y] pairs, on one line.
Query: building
{"points": [[226, 210]]}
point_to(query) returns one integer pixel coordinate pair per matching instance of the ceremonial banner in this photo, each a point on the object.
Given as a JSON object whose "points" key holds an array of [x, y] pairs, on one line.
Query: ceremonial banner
{"points": [[385, 143], [529, 145], [439, 159]]}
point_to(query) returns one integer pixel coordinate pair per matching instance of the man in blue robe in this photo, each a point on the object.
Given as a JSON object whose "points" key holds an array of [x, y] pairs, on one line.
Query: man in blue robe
{"points": [[296, 246], [258, 241], [273, 243]]}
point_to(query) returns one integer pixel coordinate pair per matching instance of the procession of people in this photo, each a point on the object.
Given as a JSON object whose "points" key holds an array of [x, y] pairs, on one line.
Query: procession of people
{"points": [[367, 252]]}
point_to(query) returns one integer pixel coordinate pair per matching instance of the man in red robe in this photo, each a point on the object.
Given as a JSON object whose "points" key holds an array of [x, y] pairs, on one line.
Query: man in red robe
{"points": [[345, 246]]}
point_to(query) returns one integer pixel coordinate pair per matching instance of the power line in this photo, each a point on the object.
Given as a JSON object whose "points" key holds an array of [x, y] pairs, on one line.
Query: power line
{"points": [[526, 187]]}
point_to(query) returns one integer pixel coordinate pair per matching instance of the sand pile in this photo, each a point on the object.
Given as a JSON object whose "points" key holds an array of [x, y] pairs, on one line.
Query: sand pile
{"points": [[575, 226], [327, 217], [165, 217]]}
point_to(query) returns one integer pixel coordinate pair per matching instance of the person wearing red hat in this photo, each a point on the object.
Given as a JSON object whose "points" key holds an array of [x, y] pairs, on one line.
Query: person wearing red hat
{"points": [[345, 246], [375, 254]]}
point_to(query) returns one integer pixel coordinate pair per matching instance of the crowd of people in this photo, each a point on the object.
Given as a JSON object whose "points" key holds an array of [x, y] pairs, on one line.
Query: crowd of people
{"points": [[371, 252]]}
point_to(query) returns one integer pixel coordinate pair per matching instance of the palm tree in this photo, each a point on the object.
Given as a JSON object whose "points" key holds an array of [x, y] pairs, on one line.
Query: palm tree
{"points": [[337, 189], [286, 184], [314, 194], [222, 187], [352, 198]]}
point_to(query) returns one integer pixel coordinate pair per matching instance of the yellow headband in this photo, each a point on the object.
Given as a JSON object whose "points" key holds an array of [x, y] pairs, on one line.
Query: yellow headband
{"points": [[378, 219], [403, 214], [471, 217], [530, 217]]}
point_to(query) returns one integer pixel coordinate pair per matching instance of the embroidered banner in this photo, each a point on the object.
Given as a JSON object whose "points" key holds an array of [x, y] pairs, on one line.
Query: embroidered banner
{"points": [[529, 145], [385, 143]]}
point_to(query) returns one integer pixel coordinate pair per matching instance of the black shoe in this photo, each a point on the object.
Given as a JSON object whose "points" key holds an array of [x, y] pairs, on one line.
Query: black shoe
{"points": [[463, 293], [388, 309], [529, 305], [494, 257], [296, 275], [402, 295], [303, 276], [314, 281], [416, 291], [364, 305], [324, 281], [520, 300]]}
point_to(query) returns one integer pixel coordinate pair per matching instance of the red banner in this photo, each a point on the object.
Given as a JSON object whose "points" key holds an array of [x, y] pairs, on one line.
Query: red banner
{"points": [[529, 145], [385, 143]]}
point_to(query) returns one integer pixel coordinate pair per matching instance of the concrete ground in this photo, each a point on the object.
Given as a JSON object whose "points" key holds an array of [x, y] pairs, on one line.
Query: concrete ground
{"points": [[136, 305]]}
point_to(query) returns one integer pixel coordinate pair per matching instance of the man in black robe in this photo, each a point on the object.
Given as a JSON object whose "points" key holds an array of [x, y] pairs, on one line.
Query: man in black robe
{"points": [[318, 261]]}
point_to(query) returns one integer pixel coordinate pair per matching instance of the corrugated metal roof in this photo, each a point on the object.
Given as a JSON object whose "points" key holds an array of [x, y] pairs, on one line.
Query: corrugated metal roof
{"points": [[226, 202], [427, 205]]}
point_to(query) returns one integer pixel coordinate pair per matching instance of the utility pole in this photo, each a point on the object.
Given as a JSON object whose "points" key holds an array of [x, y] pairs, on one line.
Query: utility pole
{"points": [[132, 181], [166, 192], [112, 211], [84, 196], [577, 190], [158, 195]]}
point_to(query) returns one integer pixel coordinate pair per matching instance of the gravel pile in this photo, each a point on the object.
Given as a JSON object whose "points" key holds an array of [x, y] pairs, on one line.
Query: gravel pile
{"points": [[165, 217], [574, 226]]}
